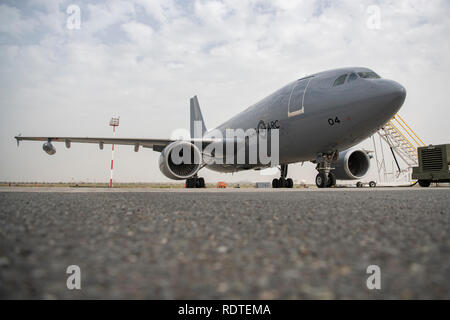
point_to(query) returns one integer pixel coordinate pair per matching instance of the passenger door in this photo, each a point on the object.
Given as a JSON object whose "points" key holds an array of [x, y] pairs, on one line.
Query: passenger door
{"points": [[296, 103]]}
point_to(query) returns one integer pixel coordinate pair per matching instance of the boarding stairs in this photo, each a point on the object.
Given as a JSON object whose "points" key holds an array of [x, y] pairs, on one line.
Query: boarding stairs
{"points": [[402, 140]]}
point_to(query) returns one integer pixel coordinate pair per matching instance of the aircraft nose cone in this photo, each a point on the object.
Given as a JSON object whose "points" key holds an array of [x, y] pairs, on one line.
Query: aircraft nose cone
{"points": [[399, 91], [394, 95]]}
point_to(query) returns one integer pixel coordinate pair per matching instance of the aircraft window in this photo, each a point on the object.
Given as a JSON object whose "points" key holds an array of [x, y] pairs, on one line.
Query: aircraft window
{"points": [[352, 77], [340, 80], [369, 75]]}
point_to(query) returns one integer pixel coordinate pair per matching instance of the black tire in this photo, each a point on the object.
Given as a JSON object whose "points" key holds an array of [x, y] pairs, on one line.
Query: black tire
{"points": [[290, 183], [282, 182], [275, 184], [321, 180], [331, 180], [359, 184], [372, 184], [424, 183], [190, 183], [200, 183]]}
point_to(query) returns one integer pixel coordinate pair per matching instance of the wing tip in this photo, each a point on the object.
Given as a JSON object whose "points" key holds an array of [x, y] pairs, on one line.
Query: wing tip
{"points": [[18, 138]]}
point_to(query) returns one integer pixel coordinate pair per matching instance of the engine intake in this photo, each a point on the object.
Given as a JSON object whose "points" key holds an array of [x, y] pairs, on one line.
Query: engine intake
{"points": [[180, 160], [352, 164]]}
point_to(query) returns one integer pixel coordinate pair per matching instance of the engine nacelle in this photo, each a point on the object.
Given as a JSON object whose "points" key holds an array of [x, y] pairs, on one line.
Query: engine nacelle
{"points": [[352, 164], [49, 148], [171, 161]]}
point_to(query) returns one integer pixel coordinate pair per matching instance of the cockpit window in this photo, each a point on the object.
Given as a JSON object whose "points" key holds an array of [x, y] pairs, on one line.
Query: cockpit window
{"points": [[340, 80], [369, 75], [352, 77]]}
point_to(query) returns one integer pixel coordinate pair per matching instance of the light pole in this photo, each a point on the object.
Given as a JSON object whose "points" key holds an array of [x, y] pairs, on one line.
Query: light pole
{"points": [[114, 122]]}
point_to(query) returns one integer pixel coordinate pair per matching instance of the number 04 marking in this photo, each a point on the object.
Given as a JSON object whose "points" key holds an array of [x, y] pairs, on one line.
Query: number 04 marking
{"points": [[334, 121]]}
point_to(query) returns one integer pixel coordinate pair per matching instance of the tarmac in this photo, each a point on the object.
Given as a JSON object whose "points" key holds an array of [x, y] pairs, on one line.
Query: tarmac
{"points": [[225, 244]]}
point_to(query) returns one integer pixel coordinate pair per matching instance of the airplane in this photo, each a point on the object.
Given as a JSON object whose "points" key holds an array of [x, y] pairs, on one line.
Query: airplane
{"points": [[320, 118]]}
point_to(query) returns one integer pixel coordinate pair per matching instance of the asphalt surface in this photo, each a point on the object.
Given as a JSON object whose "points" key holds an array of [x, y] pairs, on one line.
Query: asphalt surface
{"points": [[226, 245]]}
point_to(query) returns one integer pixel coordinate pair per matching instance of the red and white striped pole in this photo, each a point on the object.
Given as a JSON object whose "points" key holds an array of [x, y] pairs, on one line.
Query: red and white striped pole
{"points": [[112, 159], [113, 123]]}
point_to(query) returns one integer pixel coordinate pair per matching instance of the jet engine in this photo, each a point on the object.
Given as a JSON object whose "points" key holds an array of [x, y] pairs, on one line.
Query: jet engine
{"points": [[352, 164], [49, 148], [180, 160]]}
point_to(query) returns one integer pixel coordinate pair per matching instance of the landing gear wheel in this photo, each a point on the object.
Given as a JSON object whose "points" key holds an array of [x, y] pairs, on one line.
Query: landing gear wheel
{"points": [[275, 183], [372, 184], [331, 180], [325, 178], [194, 182], [283, 182], [321, 180], [359, 184], [289, 183], [190, 183], [424, 183], [200, 183]]}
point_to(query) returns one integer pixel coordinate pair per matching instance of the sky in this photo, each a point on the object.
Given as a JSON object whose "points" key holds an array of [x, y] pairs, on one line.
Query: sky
{"points": [[67, 67]]}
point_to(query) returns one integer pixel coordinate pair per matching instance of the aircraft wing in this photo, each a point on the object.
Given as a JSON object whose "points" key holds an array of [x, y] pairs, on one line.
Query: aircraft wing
{"points": [[156, 144]]}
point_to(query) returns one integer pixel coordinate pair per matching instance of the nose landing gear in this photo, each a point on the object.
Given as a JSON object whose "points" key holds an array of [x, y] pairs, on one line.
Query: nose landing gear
{"points": [[325, 181], [326, 178], [283, 182]]}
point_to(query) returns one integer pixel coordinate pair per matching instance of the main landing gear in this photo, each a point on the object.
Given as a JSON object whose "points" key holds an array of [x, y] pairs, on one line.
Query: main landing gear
{"points": [[283, 182], [325, 178], [195, 182]]}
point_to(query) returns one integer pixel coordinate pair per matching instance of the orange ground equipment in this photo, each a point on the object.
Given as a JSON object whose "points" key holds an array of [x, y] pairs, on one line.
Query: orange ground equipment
{"points": [[221, 185]]}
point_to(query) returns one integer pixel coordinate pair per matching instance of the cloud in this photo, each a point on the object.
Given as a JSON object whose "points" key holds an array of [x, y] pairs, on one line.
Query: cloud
{"points": [[13, 23]]}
